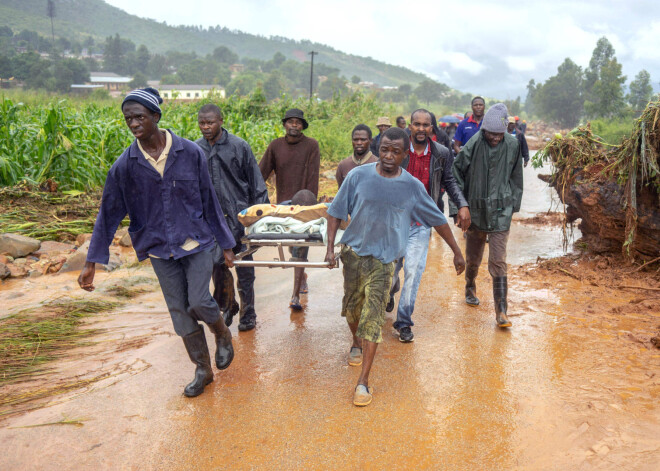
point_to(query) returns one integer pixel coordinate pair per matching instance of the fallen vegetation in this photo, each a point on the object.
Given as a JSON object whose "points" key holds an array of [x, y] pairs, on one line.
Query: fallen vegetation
{"points": [[613, 189], [32, 338]]}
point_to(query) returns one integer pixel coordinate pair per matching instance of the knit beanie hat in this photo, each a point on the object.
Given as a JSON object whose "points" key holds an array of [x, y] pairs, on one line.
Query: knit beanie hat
{"points": [[495, 119], [147, 97]]}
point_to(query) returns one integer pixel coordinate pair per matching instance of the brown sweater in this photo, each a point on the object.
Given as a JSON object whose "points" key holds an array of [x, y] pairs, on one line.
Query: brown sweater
{"points": [[349, 164], [296, 166]]}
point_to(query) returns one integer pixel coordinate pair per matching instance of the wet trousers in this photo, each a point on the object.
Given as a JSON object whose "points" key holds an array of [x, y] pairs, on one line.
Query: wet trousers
{"points": [[474, 252], [413, 265], [185, 286], [223, 284]]}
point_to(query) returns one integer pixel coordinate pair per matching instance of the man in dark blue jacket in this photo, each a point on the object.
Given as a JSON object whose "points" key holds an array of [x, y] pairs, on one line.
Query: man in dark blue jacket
{"points": [[238, 184], [162, 182]]}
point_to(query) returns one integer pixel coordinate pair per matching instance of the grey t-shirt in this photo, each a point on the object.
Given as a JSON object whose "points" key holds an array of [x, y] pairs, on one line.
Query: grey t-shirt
{"points": [[381, 211]]}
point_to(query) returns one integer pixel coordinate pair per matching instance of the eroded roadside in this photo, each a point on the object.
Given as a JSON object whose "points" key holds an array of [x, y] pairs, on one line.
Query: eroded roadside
{"points": [[573, 385]]}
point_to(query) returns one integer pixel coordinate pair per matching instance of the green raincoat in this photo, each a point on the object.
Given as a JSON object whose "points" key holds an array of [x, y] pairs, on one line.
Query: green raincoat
{"points": [[491, 180]]}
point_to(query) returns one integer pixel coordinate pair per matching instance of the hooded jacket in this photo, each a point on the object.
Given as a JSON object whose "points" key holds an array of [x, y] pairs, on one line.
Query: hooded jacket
{"points": [[491, 180]]}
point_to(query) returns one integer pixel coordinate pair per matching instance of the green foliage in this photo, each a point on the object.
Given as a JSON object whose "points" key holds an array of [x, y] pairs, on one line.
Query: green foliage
{"points": [[560, 97], [640, 90], [606, 96], [74, 142], [513, 106], [429, 91], [612, 130], [80, 19]]}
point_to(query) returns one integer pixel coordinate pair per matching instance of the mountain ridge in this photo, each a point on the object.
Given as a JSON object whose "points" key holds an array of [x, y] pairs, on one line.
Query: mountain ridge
{"points": [[80, 18]]}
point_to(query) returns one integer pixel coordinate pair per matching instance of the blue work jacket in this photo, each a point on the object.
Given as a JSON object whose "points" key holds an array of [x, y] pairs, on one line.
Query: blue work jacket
{"points": [[164, 212]]}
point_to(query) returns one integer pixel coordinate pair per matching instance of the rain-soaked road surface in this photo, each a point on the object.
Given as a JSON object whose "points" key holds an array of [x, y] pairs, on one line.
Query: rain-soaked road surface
{"points": [[464, 395]]}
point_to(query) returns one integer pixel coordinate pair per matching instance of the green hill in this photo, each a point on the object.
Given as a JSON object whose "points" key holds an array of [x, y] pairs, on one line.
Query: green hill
{"points": [[80, 18]]}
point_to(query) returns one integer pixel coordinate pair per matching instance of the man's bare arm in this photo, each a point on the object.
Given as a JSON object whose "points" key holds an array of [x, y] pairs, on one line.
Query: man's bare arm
{"points": [[333, 225], [445, 232]]}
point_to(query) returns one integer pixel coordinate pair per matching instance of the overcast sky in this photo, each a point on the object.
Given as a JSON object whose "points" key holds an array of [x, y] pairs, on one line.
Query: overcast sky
{"points": [[477, 46]]}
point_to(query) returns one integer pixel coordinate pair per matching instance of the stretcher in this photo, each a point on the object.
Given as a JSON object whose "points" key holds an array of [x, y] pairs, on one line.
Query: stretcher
{"points": [[253, 242], [252, 245]]}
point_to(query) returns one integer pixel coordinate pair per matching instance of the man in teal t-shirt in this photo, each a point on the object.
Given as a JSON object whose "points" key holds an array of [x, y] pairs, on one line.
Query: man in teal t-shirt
{"points": [[382, 200]]}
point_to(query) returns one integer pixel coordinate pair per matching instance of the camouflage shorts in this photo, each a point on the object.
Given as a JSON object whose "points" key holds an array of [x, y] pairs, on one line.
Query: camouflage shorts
{"points": [[366, 292]]}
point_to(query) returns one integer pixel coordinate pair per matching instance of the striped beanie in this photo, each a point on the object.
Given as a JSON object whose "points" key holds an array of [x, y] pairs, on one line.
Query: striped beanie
{"points": [[147, 97]]}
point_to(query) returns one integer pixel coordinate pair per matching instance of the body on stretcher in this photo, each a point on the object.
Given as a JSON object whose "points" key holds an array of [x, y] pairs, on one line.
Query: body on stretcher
{"points": [[283, 226]]}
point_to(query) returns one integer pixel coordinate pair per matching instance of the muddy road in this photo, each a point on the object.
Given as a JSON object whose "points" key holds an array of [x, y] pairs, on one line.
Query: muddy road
{"points": [[565, 388]]}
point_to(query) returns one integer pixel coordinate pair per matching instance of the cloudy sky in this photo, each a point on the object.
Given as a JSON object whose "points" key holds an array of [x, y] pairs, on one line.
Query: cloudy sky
{"points": [[477, 46]]}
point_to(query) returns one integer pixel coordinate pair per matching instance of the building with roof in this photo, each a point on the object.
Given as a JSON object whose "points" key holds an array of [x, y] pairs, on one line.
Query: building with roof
{"points": [[110, 81], [190, 92]]}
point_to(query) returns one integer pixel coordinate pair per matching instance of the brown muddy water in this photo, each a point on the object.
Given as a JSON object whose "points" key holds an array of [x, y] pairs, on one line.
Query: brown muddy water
{"points": [[560, 390]]}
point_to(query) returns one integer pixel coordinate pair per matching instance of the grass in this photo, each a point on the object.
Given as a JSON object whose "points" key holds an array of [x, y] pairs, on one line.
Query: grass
{"points": [[129, 287], [47, 216], [32, 338]]}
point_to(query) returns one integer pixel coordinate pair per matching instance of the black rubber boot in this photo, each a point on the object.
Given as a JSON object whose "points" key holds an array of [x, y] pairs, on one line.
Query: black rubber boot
{"points": [[248, 319], [393, 291], [224, 351], [471, 287], [198, 352], [499, 296]]}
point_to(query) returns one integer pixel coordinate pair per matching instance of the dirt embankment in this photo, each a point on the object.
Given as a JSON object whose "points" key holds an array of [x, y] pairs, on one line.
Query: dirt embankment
{"points": [[613, 191]]}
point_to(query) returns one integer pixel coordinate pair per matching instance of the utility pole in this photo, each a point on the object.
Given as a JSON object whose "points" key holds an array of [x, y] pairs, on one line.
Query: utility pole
{"points": [[311, 74], [51, 14]]}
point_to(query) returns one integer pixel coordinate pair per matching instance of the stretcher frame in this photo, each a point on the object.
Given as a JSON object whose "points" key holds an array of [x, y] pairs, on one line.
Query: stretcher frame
{"points": [[252, 245]]}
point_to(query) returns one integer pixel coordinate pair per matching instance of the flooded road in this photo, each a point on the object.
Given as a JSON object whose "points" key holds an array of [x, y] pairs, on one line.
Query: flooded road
{"points": [[557, 391]]}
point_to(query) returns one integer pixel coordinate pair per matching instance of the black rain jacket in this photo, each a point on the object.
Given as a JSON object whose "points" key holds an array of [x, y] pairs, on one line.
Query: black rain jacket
{"points": [[236, 177]]}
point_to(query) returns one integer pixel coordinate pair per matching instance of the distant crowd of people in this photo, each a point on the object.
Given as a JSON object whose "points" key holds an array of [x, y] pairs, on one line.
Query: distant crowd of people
{"points": [[183, 199]]}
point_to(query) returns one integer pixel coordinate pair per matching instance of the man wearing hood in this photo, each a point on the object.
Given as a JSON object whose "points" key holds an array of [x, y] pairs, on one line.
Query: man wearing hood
{"points": [[489, 171]]}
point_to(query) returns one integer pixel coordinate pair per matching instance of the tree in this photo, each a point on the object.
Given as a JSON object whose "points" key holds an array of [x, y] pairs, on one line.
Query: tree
{"points": [[243, 84], [429, 91], [113, 56], [531, 95], [607, 97], [278, 59], [513, 106], [5, 67], [602, 54], [6, 32], [142, 58], [640, 90], [274, 85], [333, 85], [88, 43], [355, 79], [139, 81], [224, 55], [405, 90], [560, 97]]}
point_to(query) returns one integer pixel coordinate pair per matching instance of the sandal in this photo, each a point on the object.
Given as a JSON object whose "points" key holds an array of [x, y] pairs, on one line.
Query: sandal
{"points": [[355, 356], [363, 395]]}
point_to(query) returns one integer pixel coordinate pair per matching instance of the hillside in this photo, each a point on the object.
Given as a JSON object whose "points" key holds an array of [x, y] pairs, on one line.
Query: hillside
{"points": [[79, 18]]}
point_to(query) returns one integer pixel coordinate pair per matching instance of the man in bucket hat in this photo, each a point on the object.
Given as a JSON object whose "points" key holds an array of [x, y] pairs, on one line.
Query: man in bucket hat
{"points": [[383, 124], [488, 169], [296, 160], [162, 182]]}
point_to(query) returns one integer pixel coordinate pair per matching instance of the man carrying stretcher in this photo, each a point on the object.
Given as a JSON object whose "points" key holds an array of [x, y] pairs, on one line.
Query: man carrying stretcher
{"points": [[382, 199]]}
